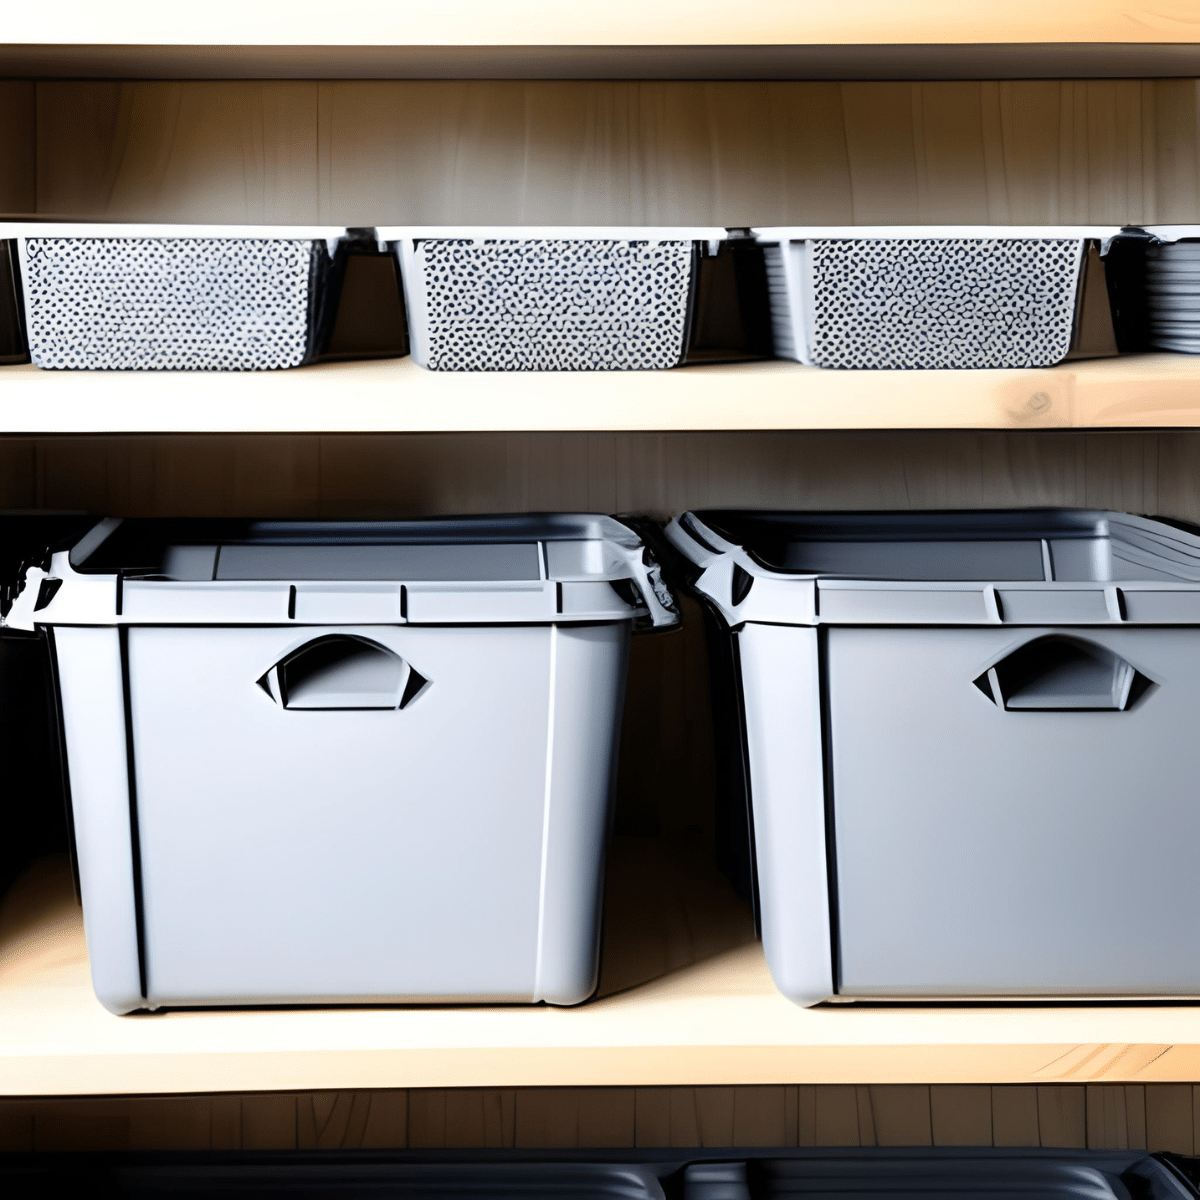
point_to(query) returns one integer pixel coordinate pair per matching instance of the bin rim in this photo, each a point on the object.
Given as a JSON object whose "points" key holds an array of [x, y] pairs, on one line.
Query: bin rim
{"points": [[724, 567], [801, 233], [175, 573], [575, 233], [122, 229]]}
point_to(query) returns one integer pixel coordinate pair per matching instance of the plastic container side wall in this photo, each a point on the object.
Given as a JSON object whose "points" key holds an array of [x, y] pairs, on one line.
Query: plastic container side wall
{"points": [[589, 666], [781, 687], [90, 675]]}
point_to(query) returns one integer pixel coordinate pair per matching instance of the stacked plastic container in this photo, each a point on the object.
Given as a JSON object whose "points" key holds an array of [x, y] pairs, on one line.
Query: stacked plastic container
{"points": [[761, 1173], [330, 763], [1173, 294], [964, 743]]}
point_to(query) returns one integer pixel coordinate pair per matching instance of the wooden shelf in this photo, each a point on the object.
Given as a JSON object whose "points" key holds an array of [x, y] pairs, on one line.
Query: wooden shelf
{"points": [[1159, 390], [527, 39], [618, 23], [717, 1021]]}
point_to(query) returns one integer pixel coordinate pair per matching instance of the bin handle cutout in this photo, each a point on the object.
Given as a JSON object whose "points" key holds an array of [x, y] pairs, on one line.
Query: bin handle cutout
{"points": [[1056, 673], [342, 671]]}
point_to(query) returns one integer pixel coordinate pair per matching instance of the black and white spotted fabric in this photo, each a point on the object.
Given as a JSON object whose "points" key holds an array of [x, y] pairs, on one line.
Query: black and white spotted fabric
{"points": [[554, 304], [178, 304], [943, 302]]}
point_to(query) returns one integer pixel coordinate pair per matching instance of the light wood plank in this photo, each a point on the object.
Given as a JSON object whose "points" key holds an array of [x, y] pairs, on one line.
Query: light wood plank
{"points": [[621, 22], [720, 1022], [1155, 390]]}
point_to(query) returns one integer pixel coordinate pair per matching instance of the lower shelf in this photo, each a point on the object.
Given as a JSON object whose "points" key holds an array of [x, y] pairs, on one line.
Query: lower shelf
{"points": [[396, 395], [716, 1021]]}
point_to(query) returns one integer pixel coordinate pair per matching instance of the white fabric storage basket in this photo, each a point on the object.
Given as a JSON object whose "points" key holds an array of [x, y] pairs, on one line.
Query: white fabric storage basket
{"points": [[338, 763], [528, 299], [203, 298], [967, 740], [926, 298]]}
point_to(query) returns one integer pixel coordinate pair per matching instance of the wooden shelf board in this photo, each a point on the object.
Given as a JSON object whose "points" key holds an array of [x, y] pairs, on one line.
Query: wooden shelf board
{"points": [[618, 22], [782, 39], [719, 1021], [1159, 390]]}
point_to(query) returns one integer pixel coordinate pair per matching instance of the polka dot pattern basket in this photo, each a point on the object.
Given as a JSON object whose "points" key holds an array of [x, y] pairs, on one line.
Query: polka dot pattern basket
{"points": [[549, 304], [923, 303], [170, 303]]}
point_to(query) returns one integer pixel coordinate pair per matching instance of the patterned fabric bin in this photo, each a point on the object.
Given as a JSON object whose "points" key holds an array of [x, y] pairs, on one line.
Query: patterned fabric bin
{"points": [[175, 297], [551, 300], [929, 299]]}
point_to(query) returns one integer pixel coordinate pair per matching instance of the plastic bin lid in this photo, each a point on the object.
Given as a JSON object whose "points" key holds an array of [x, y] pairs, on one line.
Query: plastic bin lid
{"points": [[951, 567], [800, 233], [468, 548], [527, 567], [1004, 544]]}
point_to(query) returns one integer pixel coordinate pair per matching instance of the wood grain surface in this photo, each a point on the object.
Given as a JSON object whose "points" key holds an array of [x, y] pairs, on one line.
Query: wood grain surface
{"points": [[588, 151], [1151, 1117], [397, 475]]}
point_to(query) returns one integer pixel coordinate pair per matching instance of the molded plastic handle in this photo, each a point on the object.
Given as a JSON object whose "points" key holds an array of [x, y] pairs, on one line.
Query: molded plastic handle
{"points": [[343, 671], [1058, 673]]}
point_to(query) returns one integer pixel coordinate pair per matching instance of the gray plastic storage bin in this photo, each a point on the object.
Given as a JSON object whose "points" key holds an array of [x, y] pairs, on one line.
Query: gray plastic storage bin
{"points": [[342, 762], [967, 740], [728, 1173], [1172, 286], [175, 297], [928, 297], [564, 299]]}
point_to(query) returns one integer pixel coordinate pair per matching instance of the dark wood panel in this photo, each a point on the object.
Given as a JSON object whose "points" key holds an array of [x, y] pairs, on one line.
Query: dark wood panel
{"points": [[979, 150], [1155, 1117]]}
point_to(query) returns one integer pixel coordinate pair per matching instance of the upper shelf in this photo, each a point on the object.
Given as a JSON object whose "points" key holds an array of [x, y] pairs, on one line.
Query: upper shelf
{"points": [[1151, 390], [621, 39]]}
